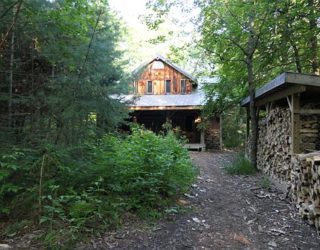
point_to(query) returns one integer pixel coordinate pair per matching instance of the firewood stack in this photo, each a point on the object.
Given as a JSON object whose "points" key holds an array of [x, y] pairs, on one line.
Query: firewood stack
{"points": [[300, 172], [309, 132], [274, 143], [305, 187]]}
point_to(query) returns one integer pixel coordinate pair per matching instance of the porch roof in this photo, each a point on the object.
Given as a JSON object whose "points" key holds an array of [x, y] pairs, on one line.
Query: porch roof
{"points": [[189, 101]]}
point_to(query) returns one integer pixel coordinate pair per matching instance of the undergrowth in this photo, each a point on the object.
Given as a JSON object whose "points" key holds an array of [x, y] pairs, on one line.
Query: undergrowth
{"points": [[240, 166], [265, 182], [68, 192]]}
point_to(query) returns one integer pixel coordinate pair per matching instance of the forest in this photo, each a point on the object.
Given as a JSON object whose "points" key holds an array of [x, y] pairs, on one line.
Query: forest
{"points": [[66, 166]]}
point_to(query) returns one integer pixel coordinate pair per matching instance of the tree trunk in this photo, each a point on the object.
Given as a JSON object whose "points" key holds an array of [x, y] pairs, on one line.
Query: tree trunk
{"points": [[14, 20], [253, 115], [296, 56], [313, 42], [15, 16], [11, 79]]}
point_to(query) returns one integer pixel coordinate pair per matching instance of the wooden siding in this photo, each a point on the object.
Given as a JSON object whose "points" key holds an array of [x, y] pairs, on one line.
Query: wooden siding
{"points": [[158, 78]]}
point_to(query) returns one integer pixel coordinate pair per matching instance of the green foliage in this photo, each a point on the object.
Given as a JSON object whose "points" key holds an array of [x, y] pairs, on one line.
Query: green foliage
{"points": [[66, 63], [265, 182], [145, 167], [240, 166], [141, 173], [13, 228], [234, 128], [268, 38], [282, 42], [9, 169]]}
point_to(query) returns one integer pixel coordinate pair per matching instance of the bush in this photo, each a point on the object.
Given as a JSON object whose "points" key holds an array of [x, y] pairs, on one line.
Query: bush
{"points": [[145, 168], [240, 166], [265, 182], [141, 173]]}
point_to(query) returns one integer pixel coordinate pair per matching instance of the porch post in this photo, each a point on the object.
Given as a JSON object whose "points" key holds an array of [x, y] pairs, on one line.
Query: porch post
{"points": [[220, 126], [202, 140]]}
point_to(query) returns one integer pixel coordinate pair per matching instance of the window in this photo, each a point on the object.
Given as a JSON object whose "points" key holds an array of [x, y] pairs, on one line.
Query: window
{"points": [[157, 65], [183, 86], [149, 87], [168, 86]]}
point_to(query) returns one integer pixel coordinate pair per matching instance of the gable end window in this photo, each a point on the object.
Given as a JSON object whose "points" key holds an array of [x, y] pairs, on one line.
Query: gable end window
{"points": [[168, 86], [149, 87], [157, 64], [183, 86]]}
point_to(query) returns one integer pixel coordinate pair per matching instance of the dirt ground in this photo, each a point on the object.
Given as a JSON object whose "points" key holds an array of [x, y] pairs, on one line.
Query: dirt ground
{"points": [[227, 212]]}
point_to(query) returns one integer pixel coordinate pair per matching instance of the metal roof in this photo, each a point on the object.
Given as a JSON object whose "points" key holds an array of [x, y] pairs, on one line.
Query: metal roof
{"points": [[283, 80], [167, 61], [162, 101]]}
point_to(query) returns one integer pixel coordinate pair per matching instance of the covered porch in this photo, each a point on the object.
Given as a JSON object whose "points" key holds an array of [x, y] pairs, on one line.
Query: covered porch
{"points": [[183, 121], [182, 111]]}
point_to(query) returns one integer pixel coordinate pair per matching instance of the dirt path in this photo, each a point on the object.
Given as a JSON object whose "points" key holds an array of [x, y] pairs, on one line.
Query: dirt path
{"points": [[228, 212]]}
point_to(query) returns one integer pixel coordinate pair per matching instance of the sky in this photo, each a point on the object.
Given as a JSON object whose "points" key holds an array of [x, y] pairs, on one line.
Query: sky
{"points": [[129, 10], [139, 34]]}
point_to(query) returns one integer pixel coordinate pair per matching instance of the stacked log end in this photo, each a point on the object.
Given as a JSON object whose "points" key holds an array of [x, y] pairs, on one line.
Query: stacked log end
{"points": [[301, 173], [305, 187], [274, 143], [309, 132]]}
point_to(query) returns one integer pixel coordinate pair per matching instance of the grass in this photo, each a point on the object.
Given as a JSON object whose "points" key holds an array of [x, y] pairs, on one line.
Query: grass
{"points": [[240, 166], [265, 183]]}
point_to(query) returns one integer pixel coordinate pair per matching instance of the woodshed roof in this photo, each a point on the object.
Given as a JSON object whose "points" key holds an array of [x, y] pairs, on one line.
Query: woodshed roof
{"points": [[282, 86]]}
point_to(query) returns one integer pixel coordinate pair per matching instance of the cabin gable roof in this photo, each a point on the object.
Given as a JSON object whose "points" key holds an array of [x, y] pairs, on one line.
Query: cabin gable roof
{"points": [[168, 62]]}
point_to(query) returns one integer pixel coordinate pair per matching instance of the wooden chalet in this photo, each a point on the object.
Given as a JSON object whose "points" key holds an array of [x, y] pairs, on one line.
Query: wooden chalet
{"points": [[165, 92]]}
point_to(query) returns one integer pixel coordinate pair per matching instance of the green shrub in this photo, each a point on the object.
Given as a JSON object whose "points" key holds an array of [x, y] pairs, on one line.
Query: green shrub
{"points": [[265, 182], [240, 166], [15, 176], [141, 173], [145, 168]]}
